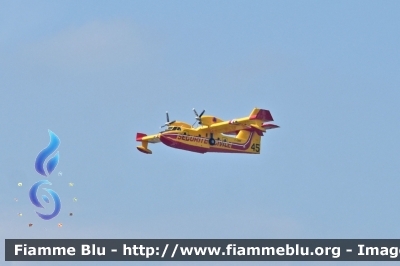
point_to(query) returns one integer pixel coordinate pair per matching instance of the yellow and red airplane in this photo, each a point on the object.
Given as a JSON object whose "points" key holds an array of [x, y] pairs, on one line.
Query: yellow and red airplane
{"points": [[241, 135]]}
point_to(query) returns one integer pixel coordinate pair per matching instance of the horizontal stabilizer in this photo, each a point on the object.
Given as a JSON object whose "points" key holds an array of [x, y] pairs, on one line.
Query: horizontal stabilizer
{"points": [[257, 127], [269, 126]]}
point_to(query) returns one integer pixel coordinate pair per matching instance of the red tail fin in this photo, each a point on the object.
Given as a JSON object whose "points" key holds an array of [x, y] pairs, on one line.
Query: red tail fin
{"points": [[261, 114]]}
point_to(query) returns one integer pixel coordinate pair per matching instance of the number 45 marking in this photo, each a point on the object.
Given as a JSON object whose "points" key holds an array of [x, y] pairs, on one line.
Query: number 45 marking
{"points": [[255, 147]]}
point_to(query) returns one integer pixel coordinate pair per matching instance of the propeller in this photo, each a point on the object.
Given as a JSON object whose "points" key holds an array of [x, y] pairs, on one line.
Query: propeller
{"points": [[198, 117], [168, 122]]}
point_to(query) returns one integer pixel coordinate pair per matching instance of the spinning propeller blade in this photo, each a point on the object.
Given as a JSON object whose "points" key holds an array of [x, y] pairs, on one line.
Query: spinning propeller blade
{"points": [[198, 117], [194, 110], [168, 122]]}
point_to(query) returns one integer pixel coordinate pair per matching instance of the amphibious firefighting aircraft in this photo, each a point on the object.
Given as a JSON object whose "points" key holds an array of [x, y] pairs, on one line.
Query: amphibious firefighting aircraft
{"points": [[242, 135]]}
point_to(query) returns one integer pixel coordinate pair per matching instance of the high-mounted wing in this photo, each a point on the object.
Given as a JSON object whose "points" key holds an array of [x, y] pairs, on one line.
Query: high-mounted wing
{"points": [[254, 121]]}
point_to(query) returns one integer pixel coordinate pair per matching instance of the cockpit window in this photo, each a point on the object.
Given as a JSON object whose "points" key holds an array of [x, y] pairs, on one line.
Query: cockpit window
{"points": [[172, 128]]}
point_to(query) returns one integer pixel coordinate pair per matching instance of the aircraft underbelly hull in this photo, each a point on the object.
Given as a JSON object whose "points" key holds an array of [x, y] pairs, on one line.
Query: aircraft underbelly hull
{"points": [[201, 145], [171, 141]]}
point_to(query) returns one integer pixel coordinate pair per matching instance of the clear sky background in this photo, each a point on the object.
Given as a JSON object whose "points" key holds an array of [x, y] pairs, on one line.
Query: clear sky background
{"points": [[98, 72]]}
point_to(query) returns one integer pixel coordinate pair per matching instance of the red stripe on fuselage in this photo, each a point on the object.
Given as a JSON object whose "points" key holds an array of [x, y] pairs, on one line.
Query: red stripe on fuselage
{"points": [[170, 140], [237, 148], [176, 141]]}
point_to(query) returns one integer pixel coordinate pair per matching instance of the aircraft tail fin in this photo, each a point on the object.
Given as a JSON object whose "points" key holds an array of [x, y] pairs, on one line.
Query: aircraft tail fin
{"points": [[261, 114], [243, 135], [251, 140]]}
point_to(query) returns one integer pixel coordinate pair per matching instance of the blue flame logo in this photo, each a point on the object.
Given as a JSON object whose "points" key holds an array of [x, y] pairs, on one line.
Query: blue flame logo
{"points": [[42, 156], [51, 165]]}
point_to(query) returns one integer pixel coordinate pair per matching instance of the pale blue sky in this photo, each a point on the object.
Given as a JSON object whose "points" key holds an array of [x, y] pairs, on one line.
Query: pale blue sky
{"points": [[97, 72]]}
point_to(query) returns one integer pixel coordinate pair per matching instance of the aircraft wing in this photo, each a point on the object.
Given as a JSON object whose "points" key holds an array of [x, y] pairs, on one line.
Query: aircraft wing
{"points": [[255, 121], [146, 140], [150, 139]]}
